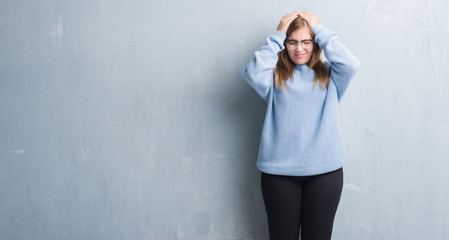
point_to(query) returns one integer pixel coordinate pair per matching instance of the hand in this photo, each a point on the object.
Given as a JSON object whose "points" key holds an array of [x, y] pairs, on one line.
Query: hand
{"points": [[286, 20], [311, 18]]}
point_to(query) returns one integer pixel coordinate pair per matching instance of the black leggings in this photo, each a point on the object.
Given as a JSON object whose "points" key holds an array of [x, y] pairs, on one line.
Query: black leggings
{"points": [[307, 204]]}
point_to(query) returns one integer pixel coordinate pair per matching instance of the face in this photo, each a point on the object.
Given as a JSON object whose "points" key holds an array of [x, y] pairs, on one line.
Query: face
{"points": [[300, 53]]}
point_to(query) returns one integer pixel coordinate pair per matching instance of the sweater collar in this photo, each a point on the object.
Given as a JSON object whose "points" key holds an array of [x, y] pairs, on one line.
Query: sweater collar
{"points": [[302, 67]]}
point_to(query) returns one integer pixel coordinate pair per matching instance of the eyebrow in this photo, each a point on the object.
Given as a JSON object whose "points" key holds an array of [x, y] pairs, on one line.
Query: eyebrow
{"points": [[298, 40]]}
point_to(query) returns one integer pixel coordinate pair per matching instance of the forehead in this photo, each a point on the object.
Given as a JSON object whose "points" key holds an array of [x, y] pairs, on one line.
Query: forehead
{"points": [[300, 34]]}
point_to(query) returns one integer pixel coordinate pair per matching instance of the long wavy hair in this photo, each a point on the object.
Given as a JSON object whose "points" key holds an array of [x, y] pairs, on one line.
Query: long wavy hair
{"points": [[285, 66]]}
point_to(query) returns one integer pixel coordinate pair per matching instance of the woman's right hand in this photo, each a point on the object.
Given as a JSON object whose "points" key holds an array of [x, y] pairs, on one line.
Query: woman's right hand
{"points": [[286, 20]]}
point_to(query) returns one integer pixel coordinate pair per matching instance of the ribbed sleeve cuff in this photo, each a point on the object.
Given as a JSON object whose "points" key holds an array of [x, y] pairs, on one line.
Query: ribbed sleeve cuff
{"points": [[317, 28], [279, 37], [280, 34]]}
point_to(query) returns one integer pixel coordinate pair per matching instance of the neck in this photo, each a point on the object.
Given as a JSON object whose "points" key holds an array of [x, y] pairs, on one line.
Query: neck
{"points": [[302, 67]]}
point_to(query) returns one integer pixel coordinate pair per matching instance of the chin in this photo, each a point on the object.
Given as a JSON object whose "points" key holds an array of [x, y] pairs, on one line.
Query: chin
{"points": [[300, 62]]}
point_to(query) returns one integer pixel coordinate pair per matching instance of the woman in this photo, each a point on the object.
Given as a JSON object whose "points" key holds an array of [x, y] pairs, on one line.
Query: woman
{"points": [[301, 152]]}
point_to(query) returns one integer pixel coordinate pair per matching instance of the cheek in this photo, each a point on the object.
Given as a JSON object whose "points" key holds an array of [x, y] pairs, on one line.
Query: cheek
{"points": [[290, 54], [309, 54], [308, 58]]}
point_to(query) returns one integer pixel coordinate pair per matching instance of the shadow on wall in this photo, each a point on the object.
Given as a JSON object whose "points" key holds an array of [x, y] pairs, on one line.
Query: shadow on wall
{"points": [[245, 109]]}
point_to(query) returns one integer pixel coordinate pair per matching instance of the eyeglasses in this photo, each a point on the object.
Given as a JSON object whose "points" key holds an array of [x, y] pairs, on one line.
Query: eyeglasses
{"points": [[306, 44]]}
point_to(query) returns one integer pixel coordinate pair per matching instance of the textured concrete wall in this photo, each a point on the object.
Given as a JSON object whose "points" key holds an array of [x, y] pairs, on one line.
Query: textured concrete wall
{"points": [[130, 119]]}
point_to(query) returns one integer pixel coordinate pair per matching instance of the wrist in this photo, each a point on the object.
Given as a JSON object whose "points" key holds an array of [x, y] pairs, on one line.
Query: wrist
{"points": [[317, 28], [315, 23], [281, 29]]}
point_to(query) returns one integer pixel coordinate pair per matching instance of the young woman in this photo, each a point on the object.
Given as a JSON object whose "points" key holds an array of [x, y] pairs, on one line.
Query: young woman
{"points": [[301, 152]]}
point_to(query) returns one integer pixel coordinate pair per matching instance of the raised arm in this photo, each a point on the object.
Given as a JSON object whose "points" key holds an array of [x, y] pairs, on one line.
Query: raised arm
{"points": [[260, 70], [343, 64]]}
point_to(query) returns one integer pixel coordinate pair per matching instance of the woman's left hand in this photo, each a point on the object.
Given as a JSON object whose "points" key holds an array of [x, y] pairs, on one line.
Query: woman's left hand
{"points": [[311, 18]]}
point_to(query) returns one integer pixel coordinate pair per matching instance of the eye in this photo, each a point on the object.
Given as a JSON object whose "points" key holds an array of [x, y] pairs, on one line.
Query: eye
{"points": [[306, 42]]}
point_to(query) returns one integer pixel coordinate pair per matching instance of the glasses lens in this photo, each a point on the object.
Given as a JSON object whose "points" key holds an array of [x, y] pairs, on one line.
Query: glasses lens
{"points": [[292, 44], [306, 44]]}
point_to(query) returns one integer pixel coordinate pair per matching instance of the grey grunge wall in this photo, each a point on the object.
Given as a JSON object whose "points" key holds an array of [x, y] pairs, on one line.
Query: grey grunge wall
{"points": [[131, 120]]}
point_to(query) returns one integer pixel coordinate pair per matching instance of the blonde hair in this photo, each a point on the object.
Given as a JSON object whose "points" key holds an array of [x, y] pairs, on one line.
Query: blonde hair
{"points": [[285, 66]]}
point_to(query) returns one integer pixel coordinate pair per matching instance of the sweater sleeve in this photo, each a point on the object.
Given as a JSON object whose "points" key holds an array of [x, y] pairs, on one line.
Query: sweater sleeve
{"points": [[343, 64], [259, 72]]}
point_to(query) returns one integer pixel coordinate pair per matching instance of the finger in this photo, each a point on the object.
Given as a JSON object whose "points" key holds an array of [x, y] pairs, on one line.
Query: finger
{"points": [[290, 15], [294, 13], [307, 17], [305, 14]]}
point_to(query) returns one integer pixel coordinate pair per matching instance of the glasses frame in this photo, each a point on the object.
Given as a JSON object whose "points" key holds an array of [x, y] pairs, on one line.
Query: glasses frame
{"points": [[300, 42]]}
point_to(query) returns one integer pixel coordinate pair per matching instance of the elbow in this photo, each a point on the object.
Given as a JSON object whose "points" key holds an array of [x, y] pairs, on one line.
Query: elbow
{"points": [[353, 67], [258, 82], [251, 77], [356, 64], [247, 75]]}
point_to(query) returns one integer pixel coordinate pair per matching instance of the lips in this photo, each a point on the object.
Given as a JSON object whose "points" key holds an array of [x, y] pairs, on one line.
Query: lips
{"points": [[300, 55]]}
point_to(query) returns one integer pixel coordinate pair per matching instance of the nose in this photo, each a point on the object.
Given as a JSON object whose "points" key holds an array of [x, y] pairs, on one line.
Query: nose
{"points": [[299, 47]]}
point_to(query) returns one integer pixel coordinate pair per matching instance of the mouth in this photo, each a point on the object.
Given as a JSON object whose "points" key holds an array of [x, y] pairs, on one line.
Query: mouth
{"points": [[300, 55]]}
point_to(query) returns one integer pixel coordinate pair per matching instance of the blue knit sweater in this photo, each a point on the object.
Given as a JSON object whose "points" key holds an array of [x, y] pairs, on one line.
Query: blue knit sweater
{"points": [[301, 134]]}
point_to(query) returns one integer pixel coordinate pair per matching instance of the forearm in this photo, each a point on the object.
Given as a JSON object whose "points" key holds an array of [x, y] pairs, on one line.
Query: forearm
{"points": [[265, 58], [259, 71], [339, 56]]}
